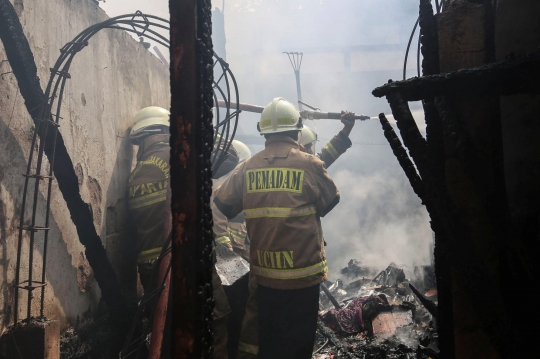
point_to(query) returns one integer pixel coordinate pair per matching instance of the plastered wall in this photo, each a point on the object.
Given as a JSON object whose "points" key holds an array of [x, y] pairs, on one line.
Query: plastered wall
{"points": [[111, 79]]}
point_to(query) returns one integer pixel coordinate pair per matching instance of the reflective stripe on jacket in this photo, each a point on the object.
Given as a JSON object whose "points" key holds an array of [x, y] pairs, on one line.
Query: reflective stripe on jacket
{"points": [[335, 148], [147, 193]]}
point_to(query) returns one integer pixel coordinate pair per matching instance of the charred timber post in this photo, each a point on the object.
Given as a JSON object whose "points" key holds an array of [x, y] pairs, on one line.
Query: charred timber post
{"points": [[402, 157], [460, 244], [24, 68], [412, 137], [429, 38], [515, 76], [191, 185]]}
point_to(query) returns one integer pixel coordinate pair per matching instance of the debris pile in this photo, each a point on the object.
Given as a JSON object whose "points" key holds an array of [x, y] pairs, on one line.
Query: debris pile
{"points": [[388, 316]]}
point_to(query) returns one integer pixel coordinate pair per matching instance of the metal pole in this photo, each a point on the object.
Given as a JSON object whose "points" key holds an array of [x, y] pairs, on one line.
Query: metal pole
{"points": [[296, 61], [161, 57], [298, 88]]}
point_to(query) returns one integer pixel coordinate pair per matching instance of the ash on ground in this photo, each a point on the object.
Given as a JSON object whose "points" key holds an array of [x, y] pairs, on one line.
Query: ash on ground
{"points": [[379, 317]]}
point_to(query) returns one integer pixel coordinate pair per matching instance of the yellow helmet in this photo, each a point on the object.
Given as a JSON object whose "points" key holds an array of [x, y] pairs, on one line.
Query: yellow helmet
{"points": [[307, 136], [243, 151], [279, 116], [147, 117]]}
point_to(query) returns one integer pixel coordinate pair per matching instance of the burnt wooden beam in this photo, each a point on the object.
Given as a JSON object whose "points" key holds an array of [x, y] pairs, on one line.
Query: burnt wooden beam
{"points": [[191, 184], [428, 304], [412, 138], [515, 76], [402, 157], [429, 39], [22, 63]]}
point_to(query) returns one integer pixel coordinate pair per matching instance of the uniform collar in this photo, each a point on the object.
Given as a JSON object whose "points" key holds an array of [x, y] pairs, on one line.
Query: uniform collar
{"points": [[278, 146], [152, 140], [149, 142], [282, 140]]}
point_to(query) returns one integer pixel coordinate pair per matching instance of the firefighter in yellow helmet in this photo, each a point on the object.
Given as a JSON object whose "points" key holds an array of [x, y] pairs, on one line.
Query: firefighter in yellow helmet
{"points": [[249, 338], [337, 145], [147, 193], [231, 233], [283, 192]]}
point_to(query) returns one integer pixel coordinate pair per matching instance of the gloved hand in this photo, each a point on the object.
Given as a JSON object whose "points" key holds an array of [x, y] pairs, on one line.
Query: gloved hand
{"points": [[348, 121]]}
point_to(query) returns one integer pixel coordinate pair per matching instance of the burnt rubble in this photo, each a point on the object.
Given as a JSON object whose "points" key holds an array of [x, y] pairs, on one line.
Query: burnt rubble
{"points": [[380, 317]]}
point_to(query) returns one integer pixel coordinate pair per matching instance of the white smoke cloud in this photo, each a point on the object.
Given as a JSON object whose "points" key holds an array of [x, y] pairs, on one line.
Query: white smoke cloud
{"points": [[378, 220]]}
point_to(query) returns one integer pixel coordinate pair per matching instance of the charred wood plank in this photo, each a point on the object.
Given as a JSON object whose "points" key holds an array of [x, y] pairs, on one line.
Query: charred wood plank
{"points": [[21, 59], [515, 76], [428, 352], [191, 184], [428, 304], [330, 296], [412, 138]]}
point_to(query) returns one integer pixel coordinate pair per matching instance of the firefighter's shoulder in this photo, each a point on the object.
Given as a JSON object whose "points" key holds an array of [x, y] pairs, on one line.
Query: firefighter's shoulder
{"points": [[312, 162]]}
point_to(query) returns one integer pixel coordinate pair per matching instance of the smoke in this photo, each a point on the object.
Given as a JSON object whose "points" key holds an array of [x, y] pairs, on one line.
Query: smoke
{"points": [[378, 221], [350, 47]]}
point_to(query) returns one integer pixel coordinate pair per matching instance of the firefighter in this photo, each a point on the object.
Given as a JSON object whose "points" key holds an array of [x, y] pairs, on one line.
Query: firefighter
{"points": [[249, 337], [231, 233], [147, 194], [337, 145], [283, 192]]}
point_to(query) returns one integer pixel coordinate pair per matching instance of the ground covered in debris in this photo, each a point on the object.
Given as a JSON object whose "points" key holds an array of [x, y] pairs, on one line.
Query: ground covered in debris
{"points": [[380, 317], [96, 338], [88, 341]]}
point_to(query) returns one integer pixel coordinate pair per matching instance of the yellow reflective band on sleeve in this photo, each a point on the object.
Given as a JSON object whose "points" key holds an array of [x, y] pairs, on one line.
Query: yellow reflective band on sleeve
{"points": [[290, 273], [248, 348], [223, 239], [149, 255], [279, 212], [331, 150], [148, 199], [274, 180]]}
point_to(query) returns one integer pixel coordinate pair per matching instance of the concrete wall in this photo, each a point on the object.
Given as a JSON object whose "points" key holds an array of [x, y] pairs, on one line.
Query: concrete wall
{"points": [[111, 79]]}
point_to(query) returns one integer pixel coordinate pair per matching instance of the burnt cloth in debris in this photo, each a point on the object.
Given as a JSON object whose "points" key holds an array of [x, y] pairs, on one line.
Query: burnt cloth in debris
{"points": [[353, 318]]}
